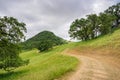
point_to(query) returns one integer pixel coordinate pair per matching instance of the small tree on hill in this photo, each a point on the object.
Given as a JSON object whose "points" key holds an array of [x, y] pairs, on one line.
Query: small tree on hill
{"points": [[11, 33], [45, 45]]}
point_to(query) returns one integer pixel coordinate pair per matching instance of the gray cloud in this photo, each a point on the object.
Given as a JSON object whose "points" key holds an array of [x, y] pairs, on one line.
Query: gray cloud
{"points": [[53, 15]]}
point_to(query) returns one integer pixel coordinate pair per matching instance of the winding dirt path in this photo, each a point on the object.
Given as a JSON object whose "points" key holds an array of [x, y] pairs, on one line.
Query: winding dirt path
{"points": [[92, 69]]}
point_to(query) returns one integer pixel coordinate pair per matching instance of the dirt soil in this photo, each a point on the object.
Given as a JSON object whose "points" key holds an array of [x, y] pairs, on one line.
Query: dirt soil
{"points": [[93, 67]]}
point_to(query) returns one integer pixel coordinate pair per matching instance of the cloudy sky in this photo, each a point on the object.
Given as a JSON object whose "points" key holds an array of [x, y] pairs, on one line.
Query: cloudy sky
{"points": [[52, 15]]}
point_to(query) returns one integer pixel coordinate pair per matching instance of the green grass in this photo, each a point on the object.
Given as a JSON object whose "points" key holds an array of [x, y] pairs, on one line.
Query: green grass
{"points": [[107, 39], [111, 39], [51, 64], [43, 66]]}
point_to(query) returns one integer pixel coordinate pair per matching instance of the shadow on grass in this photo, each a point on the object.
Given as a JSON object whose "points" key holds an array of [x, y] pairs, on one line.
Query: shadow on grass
{"points": [[8, 75]]}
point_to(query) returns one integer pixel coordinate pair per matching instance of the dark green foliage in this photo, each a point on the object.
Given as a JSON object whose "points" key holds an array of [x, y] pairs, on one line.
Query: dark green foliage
{"points": [[45, 45], [38, 39], [106, 21], [85, 29], [11, 32], [79, 29], [94, 25], [115, 11]]}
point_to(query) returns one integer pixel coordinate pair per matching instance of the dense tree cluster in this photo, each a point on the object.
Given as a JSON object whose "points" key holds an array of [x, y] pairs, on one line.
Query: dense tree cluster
{"points": [[11, 32], [94, 25]]}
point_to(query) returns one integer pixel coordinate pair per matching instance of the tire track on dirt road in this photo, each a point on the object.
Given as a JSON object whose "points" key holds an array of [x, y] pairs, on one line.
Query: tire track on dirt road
{"points": [[89, 69]]}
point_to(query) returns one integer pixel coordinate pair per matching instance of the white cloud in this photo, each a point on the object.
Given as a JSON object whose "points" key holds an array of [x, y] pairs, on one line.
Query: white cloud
{"points": [[101, 5], [53, 15]]}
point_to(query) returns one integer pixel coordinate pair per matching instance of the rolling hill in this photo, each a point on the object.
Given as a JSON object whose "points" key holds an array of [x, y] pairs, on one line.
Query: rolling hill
{"points": [[97, 59], [44, 35]]}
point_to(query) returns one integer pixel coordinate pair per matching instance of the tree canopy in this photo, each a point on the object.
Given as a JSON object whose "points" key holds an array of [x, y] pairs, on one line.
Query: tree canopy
{"points": [[94, 25], [115, 11], [11, 33], [45, 45]]}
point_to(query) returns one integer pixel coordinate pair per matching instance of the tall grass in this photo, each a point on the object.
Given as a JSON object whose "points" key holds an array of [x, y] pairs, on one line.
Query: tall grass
{"points": [[43, 66], [105, 40]]}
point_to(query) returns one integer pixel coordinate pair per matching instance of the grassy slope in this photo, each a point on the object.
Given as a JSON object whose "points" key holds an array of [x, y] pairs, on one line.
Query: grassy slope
{"points": [[111, 40], [107, 40], [47, 66], [107, 47], [51, 65]]}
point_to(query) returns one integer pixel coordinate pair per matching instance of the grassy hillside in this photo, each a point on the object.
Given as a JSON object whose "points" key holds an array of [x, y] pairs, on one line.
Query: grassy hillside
{"points": [[107, 47], [109, 40], [43, 66], [51, 64], [112, 39]]}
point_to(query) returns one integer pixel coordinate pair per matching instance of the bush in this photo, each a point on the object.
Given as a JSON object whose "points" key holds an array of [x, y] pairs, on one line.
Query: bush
{"points": [[45, 45]]}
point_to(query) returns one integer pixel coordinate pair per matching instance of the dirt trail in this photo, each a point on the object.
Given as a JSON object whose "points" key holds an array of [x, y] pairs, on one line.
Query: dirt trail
{"points": [[92, 69]]}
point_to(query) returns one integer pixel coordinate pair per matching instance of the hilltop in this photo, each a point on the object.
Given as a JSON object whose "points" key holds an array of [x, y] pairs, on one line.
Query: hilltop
{"points": [[44, 35]]}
